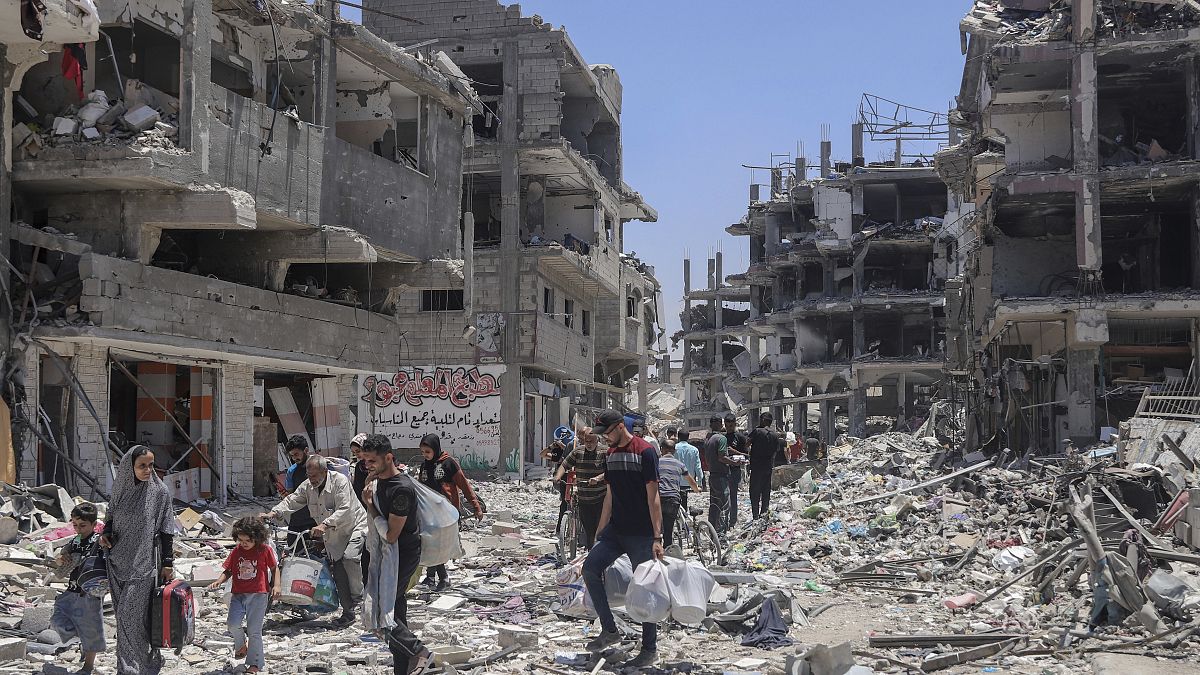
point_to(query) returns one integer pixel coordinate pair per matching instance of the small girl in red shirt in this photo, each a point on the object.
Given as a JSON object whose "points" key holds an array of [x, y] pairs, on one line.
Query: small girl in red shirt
{"points": [[253, 567]]}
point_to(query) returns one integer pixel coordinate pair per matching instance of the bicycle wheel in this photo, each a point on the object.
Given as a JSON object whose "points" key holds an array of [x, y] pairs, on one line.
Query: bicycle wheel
{"points": [[682, 537], [575, 530], [566, 535], [708, 546]]}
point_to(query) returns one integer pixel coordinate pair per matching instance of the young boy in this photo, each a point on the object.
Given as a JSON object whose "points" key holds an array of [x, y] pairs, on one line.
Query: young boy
{"points": [[253, 567], [77, 613]]}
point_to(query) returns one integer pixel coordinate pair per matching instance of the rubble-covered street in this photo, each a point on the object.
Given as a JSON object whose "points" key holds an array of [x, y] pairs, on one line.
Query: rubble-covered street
{"points": [[890, 556]]}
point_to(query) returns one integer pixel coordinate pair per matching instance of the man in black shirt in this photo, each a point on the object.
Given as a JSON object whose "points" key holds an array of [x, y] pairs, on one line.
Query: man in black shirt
{"points": [[392, 497], [737, 450], [764, 444]]}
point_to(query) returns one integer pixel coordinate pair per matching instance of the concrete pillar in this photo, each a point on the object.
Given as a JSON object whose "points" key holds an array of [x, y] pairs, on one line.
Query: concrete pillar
{"points": [[1081, 396], [801, 168], [196, 66], [856, 145], [828, 269], [826, 158], [901, 397], [712, 273], [510, 246], [899, 158], [719, 269], [860, 333], [687, 311], [6, 74], [643, 389], [799, 419], [1085, 144], [771, 241], [858, 412], [828, 428], [1195, 238]]}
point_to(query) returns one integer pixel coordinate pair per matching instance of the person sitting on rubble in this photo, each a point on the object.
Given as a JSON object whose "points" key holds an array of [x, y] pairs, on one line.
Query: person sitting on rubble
{"points": [[392, 501], [329, 497], [689, 455], [255, 570], [441, 473], [587, 462], [78, 613], [630, 524], [138, 535]]}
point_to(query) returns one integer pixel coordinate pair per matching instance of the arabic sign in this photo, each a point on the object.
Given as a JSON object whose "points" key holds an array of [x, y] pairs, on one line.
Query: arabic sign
{"points": [[459, 403]]}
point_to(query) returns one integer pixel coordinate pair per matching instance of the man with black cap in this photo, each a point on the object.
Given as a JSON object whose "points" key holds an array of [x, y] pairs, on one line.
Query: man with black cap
{"points": [[630, 523]]}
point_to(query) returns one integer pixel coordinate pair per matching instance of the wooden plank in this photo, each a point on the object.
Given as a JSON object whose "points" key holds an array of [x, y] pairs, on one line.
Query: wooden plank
{"points": [[1178, 452]]}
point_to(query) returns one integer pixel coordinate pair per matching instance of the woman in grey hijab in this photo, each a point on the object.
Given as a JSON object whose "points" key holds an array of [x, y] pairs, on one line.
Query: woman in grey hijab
{"points": [[138, 533]]}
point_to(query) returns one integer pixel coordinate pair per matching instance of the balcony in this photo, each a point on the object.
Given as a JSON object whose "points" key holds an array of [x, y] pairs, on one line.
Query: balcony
{"points": [[284, 185], [126, 301]]}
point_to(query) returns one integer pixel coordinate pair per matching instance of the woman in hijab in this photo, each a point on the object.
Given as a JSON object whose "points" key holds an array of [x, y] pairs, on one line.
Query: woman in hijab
{"points": [[442, 474], [138, 536]]}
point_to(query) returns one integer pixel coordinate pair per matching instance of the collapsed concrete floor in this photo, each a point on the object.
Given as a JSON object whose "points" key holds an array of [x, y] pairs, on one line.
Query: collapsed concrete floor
{"points": [[862, 559]]}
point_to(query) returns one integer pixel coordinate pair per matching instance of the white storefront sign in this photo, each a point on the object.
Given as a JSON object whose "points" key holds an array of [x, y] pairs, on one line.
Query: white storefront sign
{"points": [[459, 403]]}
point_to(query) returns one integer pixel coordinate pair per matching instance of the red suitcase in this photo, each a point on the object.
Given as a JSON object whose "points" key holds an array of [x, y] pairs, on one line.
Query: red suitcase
{"points": [[171, 621]]}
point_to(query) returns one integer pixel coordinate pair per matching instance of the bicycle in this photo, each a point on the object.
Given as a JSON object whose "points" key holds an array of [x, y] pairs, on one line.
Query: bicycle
{"points": [[696, 536], [569, 526]]}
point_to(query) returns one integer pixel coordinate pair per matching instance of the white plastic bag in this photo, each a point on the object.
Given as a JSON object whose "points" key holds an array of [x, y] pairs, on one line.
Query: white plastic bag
{"points": [[440, 546], [573, 599], [690, 584], [434, 511], [649, 596], [616, 581]]}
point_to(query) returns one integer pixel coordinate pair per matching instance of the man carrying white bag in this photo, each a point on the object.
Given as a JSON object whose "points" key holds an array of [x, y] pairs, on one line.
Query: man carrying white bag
{"points": [[630, 523]]}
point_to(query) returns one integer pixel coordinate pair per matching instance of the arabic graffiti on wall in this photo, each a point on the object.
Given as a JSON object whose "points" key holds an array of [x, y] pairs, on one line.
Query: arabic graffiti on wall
{"points": [[459, 403]]}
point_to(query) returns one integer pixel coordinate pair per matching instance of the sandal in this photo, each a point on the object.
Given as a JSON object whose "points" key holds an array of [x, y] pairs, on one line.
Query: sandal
{"points": [[241, 652]]}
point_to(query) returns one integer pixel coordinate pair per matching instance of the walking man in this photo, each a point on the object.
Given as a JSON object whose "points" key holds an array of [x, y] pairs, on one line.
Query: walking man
{"points": [[689, 456], [341, 522], [716, 454], [630, 523], [588, 463], [737, 451], [764, 445], [297, 450], [392, 501]]}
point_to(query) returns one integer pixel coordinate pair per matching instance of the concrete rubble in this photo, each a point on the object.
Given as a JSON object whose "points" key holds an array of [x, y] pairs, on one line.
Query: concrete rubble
{"points": [[897, 552]]}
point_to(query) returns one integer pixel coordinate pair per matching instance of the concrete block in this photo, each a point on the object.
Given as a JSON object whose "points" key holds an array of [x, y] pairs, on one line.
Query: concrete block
{"points": [[141, 119], [92, 134], [21, 133], [448, 603], [65, 126], [36, 619], [12, 649], [515, 635], [450, 654], [505, 528]]}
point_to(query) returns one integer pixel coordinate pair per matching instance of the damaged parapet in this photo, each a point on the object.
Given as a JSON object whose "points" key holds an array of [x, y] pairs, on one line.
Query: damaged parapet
{"points": [[1080, 268]]}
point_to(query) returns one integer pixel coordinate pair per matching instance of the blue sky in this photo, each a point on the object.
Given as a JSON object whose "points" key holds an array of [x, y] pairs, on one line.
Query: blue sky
{"points": [[710, 86]]}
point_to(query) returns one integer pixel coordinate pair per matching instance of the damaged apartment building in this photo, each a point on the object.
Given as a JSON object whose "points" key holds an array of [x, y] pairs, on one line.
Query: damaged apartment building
{"points": [[1077, 302], [557, 310], [220, 210], [840, 311]]}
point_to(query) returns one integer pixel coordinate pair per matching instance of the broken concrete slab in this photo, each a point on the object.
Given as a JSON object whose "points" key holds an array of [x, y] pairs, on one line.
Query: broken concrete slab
{"points": [[141, 119]]}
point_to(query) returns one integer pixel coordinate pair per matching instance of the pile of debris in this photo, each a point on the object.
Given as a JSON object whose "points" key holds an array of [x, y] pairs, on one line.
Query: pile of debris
{"points": [[1020, 20], [145, 118]]}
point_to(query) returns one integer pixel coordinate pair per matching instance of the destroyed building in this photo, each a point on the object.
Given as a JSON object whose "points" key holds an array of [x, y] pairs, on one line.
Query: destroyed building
{"points": [[220, 212], [1073, 307], [844, 291], [556, 307]]}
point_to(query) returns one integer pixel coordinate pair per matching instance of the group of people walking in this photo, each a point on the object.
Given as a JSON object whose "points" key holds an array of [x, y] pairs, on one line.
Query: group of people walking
{"points": [[629, 494]]}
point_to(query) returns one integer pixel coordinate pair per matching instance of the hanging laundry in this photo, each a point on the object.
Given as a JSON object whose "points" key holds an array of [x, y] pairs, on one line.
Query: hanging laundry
{"points": [[74, 62]]}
